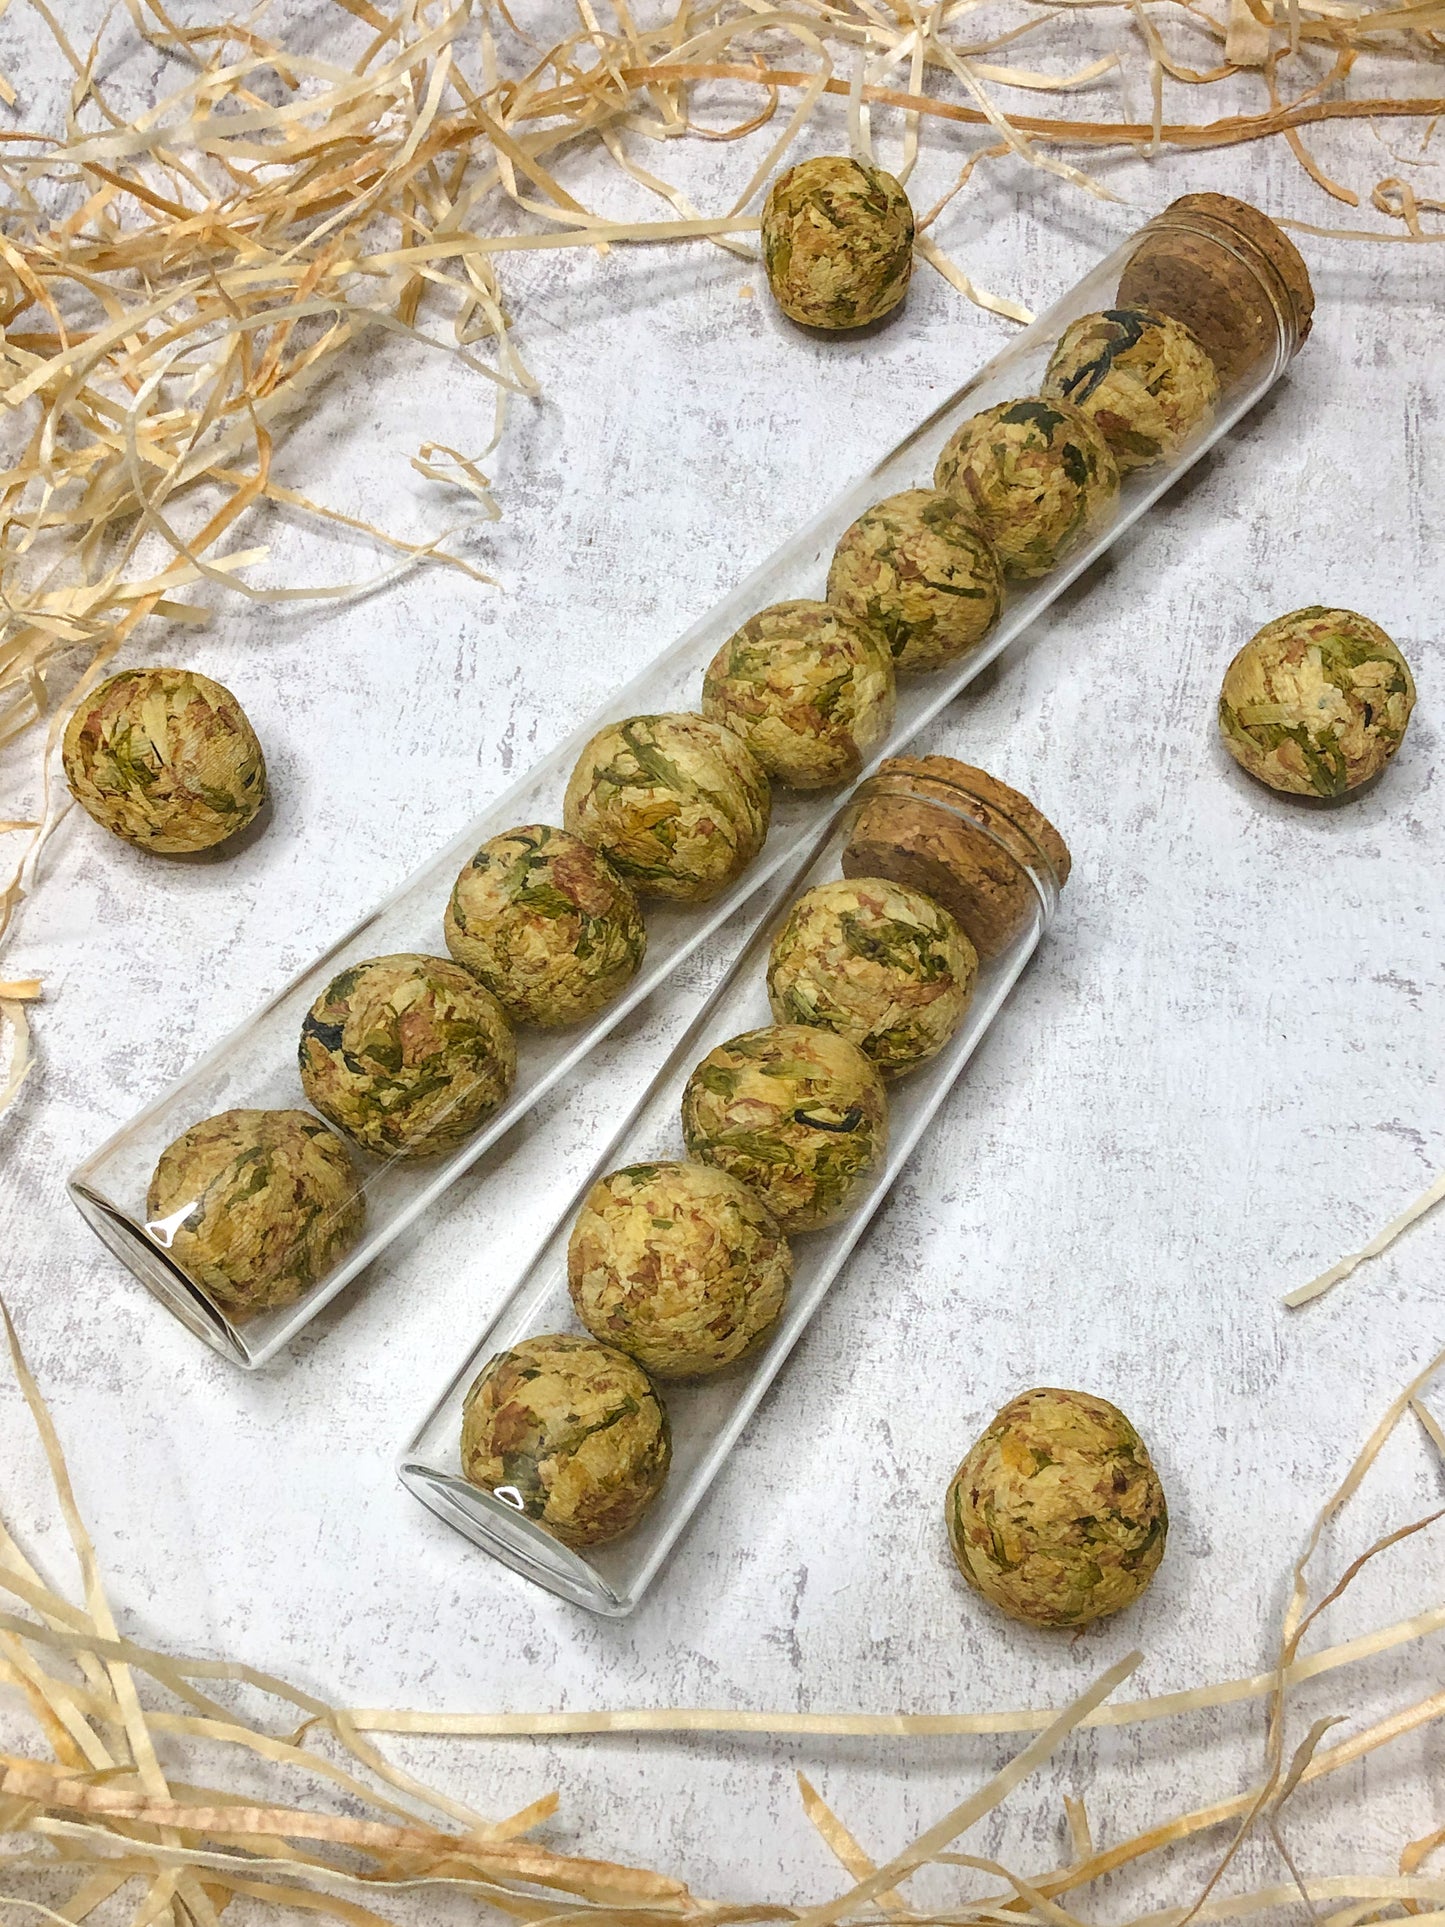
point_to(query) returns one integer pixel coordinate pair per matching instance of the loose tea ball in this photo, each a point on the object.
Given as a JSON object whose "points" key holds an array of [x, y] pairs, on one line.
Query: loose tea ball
{"points": [[1317, 702], [1038, 475], [166, 759], [1141, 378], [547, 924], [798, 1115], [920, 570], [254, 1206], [808, 689], [677, 803], [407, 1054], [963, 838], [877, 962], [569, 1433], [679, 1266], [1228, 273], [837, 242], [1057, 1515]]}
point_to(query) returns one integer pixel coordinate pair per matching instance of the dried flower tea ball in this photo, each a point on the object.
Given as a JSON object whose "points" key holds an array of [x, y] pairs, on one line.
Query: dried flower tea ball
{"points": [[877, 962], [1039, 477], [569, 1433], [1141, 378], [920, 570], [677, 803], [166, 759], [1057, 1515], [408, 1054], [547, 924], [837, 242], [254, 1206], [1228, 273], [963, 838], [678, 1265], [808, 689], [796, 1114], [1316, 703]]}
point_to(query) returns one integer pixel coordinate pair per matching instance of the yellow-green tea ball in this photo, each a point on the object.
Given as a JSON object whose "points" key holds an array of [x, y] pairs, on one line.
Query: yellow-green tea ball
{"points": [[407, 1054], [837, 242], [255, 1206], [1317, 702], [1142, 379], [547, 924], [807, 688], [679, 1266], [920, 570], [678, 804], [798, 1115], [879, 963], [1057, 1515], [166, 759], [1038, 475], [569, 1433]]}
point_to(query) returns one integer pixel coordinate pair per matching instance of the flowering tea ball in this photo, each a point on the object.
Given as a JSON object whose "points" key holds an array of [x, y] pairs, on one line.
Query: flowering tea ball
{"points": [[807, 688], [546, 923], [407, 1054], [166, 759], [1140, 378], [254, 1206], [569, 1433], [877, 962], [1057, 1515], [1317, 702], [837, 242], [796, 1114], [677, 803], [679, 1266], [919, 569], [1039, 476]]}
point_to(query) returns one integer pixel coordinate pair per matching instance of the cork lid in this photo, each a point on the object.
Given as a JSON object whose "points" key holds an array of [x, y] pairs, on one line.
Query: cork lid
{"points": [[983, 796], [1268, 240]]}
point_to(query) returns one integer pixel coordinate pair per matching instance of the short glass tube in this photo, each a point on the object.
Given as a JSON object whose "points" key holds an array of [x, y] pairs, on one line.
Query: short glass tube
{"points": [[707, 1415], [1219, 276]]}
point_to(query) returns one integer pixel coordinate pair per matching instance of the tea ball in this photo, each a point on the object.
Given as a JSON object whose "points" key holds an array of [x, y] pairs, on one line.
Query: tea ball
{"points": [[407, 1054], [1057, 1515], [678, 804], [807, 688], [1317, 702], [569, 1433], [164, 758], [1038, 475], [797, 1114], [837, 242], [919, 569], [547, 924], [679, 1266], [879, 963], [1141, 378], [255, 1206]]}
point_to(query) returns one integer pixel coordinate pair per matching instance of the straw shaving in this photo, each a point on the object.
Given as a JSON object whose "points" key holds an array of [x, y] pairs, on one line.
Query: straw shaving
{"points": [[103, 1799], [173, 290]]}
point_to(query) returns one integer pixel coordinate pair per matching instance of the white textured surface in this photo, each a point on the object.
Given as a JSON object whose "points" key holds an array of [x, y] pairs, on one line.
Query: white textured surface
{"points": [[1220, 1073]]}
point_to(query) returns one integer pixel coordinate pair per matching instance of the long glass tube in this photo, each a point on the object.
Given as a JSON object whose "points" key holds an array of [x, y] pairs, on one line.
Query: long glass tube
{"points": [[255, 1066]]}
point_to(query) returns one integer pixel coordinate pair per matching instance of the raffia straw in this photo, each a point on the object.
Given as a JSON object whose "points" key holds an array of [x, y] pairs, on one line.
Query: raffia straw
{"points": [[1382, 1240]]}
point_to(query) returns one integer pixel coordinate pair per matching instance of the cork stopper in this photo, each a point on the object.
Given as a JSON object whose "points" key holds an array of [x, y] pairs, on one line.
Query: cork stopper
{"points": [[975, 855], [1229, 274]]}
